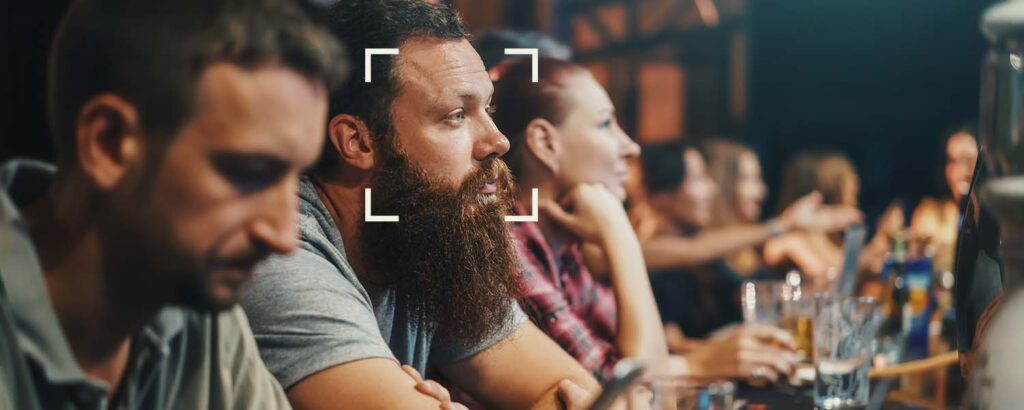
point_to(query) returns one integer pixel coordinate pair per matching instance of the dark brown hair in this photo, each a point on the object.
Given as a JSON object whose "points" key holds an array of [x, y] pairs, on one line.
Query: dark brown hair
{"points": [[664, 165], [723, 157], [363, 24], [152, 53], [809, 171]]}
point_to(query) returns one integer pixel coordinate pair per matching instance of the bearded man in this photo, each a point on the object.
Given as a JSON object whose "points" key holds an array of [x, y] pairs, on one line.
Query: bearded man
{"points": [[336, 320]]}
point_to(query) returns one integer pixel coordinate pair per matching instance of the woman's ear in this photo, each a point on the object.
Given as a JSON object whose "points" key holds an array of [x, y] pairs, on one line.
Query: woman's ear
{"points": [[351, 141], [543, 142], [107, 141]]}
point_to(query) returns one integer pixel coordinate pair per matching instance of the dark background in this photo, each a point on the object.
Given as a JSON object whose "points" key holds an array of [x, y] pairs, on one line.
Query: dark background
{"points": [[880, 80], [26, 34]]}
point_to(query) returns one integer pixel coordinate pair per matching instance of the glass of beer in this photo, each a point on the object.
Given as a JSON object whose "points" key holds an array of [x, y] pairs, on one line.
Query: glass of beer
{"points": [[759, 300], [796, 311]]}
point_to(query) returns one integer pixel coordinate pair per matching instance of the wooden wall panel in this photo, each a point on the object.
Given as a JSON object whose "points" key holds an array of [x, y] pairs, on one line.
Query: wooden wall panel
{"points": [[660, 102]]}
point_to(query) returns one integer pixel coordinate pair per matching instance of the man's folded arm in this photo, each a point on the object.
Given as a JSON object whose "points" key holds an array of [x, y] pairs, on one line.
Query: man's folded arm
{"points": [[318, 335], [519, 371], [375, 383]]}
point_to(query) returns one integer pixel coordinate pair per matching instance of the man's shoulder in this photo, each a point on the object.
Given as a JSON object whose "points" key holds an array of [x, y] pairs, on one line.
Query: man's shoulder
{"points": [[16, 390], [221, 341], [316, 259], [316, 277], [232, 325]]}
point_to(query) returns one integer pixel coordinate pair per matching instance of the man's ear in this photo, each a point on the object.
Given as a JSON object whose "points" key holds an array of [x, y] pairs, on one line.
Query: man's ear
{"points": [[107, 139], [351, 141], [542, 140]]}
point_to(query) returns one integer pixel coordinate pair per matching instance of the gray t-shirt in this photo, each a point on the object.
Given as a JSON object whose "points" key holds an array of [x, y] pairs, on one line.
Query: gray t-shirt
{"points": [[310, 312]]}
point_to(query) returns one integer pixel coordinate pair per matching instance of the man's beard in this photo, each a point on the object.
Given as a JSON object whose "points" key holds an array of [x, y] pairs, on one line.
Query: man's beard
{"points": [[450, 256], [145, 268]]}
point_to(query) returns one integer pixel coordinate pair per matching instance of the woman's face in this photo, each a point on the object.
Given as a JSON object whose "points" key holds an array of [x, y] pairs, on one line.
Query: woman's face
{"points": [[961, 155], [750, 188], [695, 197], [593, 148]]}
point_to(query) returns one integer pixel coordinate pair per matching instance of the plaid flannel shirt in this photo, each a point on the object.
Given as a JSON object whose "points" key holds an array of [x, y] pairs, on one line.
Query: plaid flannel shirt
{"points": [[565, 301]]}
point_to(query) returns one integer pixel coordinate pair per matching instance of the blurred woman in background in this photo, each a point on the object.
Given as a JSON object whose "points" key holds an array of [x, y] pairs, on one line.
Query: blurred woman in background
{"points": [[938, 220], [814, 254], [682, 193], [696, 298], [566, 142], [695, 289], [819, 255], [742, 191]]}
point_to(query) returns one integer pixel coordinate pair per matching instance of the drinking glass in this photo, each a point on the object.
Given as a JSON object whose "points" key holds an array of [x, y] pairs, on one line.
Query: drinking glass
{"points": [[668, 393], [759, 302], [844, 331], [796, 312], [719, 396], [678, 393]]}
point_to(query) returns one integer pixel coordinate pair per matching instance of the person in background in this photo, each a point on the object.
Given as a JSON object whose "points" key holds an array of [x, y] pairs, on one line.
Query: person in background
{"points": [[180, 130], [736, 170], [697, 292], [939, 220], [681, 191], [337, 320], [566, 143], [819, 255]]}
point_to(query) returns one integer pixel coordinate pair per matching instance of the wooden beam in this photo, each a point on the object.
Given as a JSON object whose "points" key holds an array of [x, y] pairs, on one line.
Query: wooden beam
{"points": [[682, 38]]}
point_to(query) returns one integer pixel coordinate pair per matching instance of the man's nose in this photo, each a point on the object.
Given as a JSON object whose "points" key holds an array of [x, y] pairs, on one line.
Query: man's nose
{"points": [[491, 143], [275, 227]]}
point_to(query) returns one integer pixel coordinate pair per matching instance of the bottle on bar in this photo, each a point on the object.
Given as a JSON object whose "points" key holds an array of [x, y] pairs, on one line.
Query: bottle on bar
{"points": [[918, 307], [893, 275]]}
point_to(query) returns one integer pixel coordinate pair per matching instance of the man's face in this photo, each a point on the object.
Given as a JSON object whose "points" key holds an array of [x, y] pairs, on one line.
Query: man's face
{"points": [[441, 115], [222, 196], [450, 255]]}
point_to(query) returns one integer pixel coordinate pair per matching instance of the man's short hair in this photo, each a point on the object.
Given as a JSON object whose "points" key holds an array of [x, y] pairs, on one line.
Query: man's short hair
{"points": [[363, 24], [153, 52]]}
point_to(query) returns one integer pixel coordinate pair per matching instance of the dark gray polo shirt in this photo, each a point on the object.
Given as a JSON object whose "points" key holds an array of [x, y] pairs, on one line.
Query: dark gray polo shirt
{"points": [[182, 360]]}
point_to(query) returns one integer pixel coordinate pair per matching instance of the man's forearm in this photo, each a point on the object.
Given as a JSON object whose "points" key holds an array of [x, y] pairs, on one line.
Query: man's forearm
{"points": [[519, 372]]}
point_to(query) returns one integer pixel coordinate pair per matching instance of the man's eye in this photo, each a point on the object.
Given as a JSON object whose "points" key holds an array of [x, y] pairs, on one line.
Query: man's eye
{"points": [[249, 173], [605, 124], [491, 109], [456, 117], [249, 181]]}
